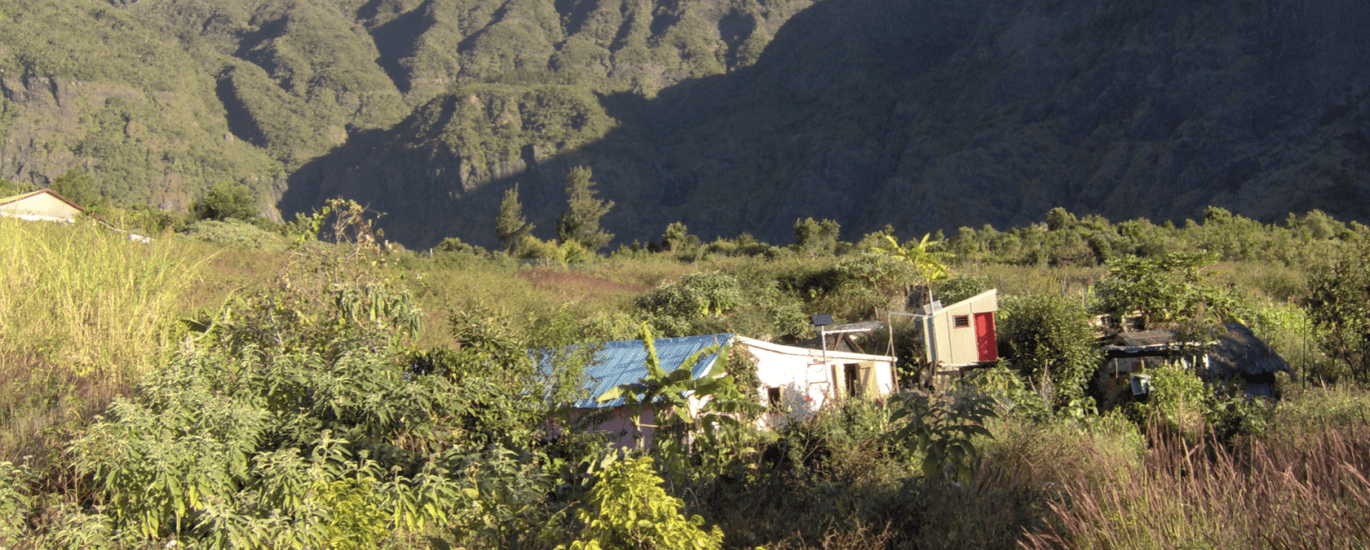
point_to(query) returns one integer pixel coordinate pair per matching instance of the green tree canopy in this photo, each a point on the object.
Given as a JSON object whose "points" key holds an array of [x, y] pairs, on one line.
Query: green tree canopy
{"points": [[1166, 288], [510, 225], [1339, 303], [227, 201], [78, 187], [815, 237], [677, 238], [580, 221], [9, 188]]}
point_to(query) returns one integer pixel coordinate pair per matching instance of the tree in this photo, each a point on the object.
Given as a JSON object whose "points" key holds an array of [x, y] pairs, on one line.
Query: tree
{"points": [[8, 188], [580, 221], [1339, 304], [510, 225], [78, 187], [816, 237], [677, 238], [227, 201], [1048, 335], [1166, 288]]}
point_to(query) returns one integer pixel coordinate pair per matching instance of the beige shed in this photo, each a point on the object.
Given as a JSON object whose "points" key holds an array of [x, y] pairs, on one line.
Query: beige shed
{"points": [[961, 334], [40, 205]]}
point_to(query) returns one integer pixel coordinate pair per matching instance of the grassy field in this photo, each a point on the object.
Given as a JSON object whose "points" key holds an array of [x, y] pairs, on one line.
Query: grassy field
{"points": [[88, 317]]}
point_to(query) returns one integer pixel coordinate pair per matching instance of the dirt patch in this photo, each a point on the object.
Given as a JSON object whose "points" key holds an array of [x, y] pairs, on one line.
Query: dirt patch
{"points": [[582, 286]]}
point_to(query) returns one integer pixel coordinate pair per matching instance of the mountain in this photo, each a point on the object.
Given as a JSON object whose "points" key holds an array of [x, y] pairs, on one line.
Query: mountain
{"points": [[728, 115]]}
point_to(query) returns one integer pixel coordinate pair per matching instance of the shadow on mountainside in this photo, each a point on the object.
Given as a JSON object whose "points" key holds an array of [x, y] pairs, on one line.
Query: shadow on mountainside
{"points": [[935, 114]]}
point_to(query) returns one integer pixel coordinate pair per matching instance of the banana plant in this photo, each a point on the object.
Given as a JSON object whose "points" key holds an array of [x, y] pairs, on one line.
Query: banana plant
{"points": [[929, 263], [670, 393]]}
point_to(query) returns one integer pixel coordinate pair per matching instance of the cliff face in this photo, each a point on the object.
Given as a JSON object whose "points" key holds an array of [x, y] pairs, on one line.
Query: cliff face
{"points": [[930, 114], [729, 115]]}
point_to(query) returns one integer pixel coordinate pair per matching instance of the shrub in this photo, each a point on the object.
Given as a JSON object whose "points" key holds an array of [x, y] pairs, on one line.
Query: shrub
{"points": [[226, 201], [235, 233], [628, 510], [1339, 305], [1048, 337], [1178, 398], [677, 307]]}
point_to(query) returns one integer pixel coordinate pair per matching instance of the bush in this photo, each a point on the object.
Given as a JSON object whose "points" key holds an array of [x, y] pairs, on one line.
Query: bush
{"points": [[677, 307], [235, 233], [628, 510], [1048, 338], [1178, 399], [227, 201], [1339, 305]]}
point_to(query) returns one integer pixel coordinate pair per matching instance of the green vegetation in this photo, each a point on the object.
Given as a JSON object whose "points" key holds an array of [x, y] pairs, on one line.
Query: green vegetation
{"points": [[510, 226], [324, 388], [83, 314], [77, 186], [227, 202], [628, 509], [580, 222]]}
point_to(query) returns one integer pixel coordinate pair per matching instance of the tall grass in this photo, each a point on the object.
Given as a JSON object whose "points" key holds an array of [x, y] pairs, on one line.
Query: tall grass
{"points": [[83, 312], [1309, 490]]}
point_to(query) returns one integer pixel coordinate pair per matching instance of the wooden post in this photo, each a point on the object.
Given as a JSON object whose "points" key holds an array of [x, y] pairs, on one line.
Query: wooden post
{"points": [[894, 359]]}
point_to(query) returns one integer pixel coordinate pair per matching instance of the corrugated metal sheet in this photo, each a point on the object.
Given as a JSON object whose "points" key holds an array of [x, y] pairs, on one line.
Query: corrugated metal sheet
{"points": [[625, 361]]}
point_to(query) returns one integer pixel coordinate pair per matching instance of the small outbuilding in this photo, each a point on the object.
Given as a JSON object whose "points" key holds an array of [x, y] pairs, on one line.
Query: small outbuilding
{"points": [[40, 205], [1242, 359], [794, 381], [962, 334], [1237, 357]]}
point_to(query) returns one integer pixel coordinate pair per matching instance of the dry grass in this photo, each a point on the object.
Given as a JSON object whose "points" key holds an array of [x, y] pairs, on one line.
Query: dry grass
{"points": [[1309, 491], [83, 312], [575, 286]]}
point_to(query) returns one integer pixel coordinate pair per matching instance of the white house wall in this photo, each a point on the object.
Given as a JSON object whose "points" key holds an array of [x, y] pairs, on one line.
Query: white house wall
{"points": [[804, 376]]}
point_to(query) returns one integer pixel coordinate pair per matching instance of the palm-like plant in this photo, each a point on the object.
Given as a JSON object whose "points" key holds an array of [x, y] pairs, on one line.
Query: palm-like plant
{"points": [[670, 393], [929, 263]]}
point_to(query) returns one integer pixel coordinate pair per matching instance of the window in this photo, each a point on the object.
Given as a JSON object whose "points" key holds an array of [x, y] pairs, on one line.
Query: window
{"points": [[961, 321], [774, 397]]}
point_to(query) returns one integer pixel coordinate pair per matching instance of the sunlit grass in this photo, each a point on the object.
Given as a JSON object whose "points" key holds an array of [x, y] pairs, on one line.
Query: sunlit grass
{"points": [[83, 312]]}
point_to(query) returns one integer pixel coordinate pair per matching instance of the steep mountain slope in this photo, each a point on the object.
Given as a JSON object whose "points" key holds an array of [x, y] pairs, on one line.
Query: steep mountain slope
{"points": [[85, 83], [730, 115], [929, 114], [296, 78]]}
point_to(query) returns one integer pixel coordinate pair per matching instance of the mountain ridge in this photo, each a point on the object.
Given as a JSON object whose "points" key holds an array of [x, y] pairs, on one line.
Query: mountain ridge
{"points": [[728, 115]]}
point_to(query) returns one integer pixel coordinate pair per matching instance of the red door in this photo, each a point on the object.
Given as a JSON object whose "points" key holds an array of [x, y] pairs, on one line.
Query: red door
{"points": [[984, 336]]}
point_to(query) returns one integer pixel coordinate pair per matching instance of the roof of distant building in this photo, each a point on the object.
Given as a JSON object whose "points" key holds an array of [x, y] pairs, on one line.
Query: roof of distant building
{"points": [[625, 361]]}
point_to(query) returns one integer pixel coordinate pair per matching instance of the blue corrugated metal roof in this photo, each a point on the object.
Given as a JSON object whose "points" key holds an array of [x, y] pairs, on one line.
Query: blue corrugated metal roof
{"points": [[625, 361]]}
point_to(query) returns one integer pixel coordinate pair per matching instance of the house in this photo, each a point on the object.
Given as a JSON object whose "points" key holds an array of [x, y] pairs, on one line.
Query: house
{"points": [[847, 337], [1236, 358], [1128, 355], [1245, 361], [962, 334], [794, 381], [43, 204]]}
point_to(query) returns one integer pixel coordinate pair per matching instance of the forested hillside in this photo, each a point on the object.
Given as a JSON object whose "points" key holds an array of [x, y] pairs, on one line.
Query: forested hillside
{"points": [[728, 115]]}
